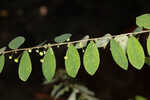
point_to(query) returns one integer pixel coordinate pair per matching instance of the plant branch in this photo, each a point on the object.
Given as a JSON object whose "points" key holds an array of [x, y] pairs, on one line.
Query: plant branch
{"points": [[72, 42]]}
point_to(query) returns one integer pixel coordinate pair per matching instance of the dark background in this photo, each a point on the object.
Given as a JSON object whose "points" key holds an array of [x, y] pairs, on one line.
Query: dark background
{"points": [[79, 17]]}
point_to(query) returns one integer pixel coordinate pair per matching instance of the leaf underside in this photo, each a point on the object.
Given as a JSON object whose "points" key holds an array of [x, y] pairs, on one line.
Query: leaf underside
{"points": [[143, 21], [16, 43], [62, 38], [82, 43], [102, 42]]}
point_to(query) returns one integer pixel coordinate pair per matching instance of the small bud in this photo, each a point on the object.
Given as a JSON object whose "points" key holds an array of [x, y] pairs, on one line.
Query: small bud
{"points": [[10, 57], [41, 60], [30, 50], [68, 39], [83, 50], [65, 57], [41, 53], [16, 60], [44, 52], [37, 51], [58, 46]]}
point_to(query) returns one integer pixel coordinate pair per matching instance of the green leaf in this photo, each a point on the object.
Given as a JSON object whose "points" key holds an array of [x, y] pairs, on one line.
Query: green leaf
{"points": [[118, 54], [102, 42], [25, 66], [147, 61], [138, 29], [62, 38], [82, 43], [16, 43], [2, 62], [72, 61], [143, 21], [123, 41], [135, 53], [49, 65], [148, 45], [140, 98], [91, 59], [3, 49]]}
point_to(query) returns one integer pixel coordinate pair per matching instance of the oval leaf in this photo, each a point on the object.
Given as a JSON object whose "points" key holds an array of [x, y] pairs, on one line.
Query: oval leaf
{"points": [[135, 53], [25, 66], [72, 61], [91, 59], [148, 45], [62, 38], [118, 54], [143, 21], [2, 62], [16, 43], [49, 65]]}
